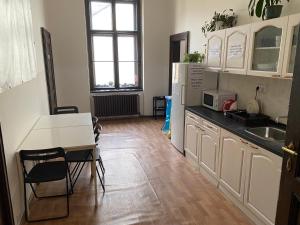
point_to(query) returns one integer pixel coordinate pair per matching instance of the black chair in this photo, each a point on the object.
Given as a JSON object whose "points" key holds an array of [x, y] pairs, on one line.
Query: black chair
{"points": [[85, 156], [48, 165], [66, 110]]}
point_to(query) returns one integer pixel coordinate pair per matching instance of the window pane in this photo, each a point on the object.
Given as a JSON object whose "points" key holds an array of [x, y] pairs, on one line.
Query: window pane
{"points": [[125, 16], [126, 47], [103, 48], [104, 74], [101, 16], [128, 74]]}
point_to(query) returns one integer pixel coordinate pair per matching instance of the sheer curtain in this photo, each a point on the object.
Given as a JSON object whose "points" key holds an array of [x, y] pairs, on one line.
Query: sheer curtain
{"points": [[17, 51]]}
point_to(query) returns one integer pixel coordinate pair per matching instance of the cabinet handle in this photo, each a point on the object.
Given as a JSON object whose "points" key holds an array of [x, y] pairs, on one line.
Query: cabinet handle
{"points": [[192, 117], [244, 142], [209, 127], [226, 71], [200, 128], [254, 147]]}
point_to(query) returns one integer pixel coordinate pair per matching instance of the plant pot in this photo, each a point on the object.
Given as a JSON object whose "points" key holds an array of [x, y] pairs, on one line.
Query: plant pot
{"points": [[219, 25], [273, 11]]}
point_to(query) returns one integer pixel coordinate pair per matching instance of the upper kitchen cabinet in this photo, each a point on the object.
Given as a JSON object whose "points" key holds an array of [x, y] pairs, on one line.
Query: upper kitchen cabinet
{"points": [[236, 49], [290, 46], [267, 47], [215, 48]]}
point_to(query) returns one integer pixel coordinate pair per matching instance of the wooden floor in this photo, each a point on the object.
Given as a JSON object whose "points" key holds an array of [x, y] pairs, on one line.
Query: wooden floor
{"points": [[147, 182]]}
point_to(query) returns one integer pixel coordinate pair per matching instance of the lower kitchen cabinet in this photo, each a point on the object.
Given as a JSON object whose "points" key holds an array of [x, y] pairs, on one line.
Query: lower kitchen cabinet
{"points": [[246, 173], [208, 143], [232, 164], [263, 172], [191, 138]]}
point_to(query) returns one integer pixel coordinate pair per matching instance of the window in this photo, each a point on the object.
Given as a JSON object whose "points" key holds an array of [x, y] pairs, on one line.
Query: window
{"points": [[114, 41]]}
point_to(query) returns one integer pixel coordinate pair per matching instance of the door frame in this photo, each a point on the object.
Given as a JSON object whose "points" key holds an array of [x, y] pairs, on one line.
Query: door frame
{"points": [[288, 206], [5, 204], [185, 36]]}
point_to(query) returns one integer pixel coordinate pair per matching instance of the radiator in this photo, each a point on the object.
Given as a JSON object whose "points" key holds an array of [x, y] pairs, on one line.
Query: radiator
{"points": [[116, 105]]}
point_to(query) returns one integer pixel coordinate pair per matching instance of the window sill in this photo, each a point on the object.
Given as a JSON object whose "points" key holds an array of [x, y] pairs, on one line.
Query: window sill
{"points": [[116, 91]]}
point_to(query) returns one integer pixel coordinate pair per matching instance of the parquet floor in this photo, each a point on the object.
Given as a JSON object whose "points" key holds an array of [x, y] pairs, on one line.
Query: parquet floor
{"points": [[147, 182]]}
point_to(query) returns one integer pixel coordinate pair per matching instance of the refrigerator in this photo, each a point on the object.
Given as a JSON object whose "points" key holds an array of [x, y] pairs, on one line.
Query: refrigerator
{"points": [[188, 82]]}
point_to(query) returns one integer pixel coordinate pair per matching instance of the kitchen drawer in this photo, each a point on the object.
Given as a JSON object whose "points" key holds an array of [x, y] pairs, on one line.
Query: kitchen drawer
{"points": [[194, 117], [211, 127]]}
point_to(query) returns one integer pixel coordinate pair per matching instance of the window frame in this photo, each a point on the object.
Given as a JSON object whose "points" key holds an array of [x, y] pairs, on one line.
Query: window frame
{"points": [[114, 34]]}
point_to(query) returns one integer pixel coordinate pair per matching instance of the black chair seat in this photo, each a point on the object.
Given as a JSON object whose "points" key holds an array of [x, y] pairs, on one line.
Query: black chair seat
{"points": [[78, 156], [81, 156], [46, 172]]}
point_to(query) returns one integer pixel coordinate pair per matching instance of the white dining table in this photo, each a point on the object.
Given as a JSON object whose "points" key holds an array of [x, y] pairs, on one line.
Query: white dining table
{"points": [[73, 132], [63, 120]]}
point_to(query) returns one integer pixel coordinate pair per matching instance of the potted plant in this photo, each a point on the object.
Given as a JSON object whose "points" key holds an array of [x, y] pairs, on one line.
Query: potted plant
{"points": [[266, 9], [225, 19], [195, 57]]}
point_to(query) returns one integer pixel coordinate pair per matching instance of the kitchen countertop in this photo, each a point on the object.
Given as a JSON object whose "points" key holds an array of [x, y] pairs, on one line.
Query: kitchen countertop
{"points": [[234, 127]]}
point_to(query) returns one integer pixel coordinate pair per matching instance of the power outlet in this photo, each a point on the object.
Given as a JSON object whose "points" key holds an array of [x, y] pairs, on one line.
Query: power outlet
{"points": [[262, 88]]}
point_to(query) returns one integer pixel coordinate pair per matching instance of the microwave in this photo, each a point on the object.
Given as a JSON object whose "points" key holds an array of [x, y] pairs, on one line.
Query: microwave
{"points": [[214, 99]]}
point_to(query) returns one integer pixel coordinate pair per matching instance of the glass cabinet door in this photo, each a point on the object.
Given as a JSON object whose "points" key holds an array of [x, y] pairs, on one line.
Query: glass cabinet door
{"points": [[293, 48], [267, 42]]}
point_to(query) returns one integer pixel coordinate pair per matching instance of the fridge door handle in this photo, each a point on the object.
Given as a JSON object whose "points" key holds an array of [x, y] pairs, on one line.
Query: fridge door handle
{"points": [[182, 94]]}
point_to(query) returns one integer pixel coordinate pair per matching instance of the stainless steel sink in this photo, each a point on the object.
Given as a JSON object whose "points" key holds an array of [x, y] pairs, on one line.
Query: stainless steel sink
{"points": [[268, 133]]}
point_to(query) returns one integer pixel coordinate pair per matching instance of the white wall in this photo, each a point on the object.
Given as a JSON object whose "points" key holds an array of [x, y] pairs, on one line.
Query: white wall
{"points": [[157, 28], [191, 15], [66, 23], [20, 107]]}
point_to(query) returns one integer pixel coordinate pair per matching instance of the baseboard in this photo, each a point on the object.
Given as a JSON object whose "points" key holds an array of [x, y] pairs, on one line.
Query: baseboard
{"points": [[120, 117], [192, 159]]}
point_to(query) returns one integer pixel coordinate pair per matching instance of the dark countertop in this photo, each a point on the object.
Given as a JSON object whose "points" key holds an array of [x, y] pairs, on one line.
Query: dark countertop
{"points": [[234, 127]]}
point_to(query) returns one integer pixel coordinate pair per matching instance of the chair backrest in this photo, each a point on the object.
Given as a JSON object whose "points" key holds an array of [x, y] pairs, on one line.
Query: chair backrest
{"points": [[41, 155], [94, 120], [66, 110], [97, 127]]}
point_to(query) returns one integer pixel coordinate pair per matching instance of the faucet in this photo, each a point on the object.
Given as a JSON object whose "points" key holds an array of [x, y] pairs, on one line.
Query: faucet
{"points": [[280, 117]]}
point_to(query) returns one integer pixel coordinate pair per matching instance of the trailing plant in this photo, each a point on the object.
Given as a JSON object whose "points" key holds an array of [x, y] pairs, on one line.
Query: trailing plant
{"points": [[258, 7], [228, 19], [195, 57]]}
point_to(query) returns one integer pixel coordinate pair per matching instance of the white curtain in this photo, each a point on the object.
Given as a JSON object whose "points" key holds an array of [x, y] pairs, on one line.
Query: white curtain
{"points": [[17, 51]]}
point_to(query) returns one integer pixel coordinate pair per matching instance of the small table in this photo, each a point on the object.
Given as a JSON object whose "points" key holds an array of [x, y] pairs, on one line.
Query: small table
{"points": [[64, 120], [73, 132], [159, 105]]}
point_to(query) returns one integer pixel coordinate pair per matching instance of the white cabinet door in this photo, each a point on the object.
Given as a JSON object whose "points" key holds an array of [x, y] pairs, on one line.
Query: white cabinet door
{"points": [[290, 46], [191, 137], [208, 152], [237, 49], [267, 47], [263, 171], [215, 48], [232, 164]]}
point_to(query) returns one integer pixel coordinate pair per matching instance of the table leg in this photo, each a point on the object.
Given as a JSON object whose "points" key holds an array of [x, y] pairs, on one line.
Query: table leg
{"points": [[94, 175]]}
